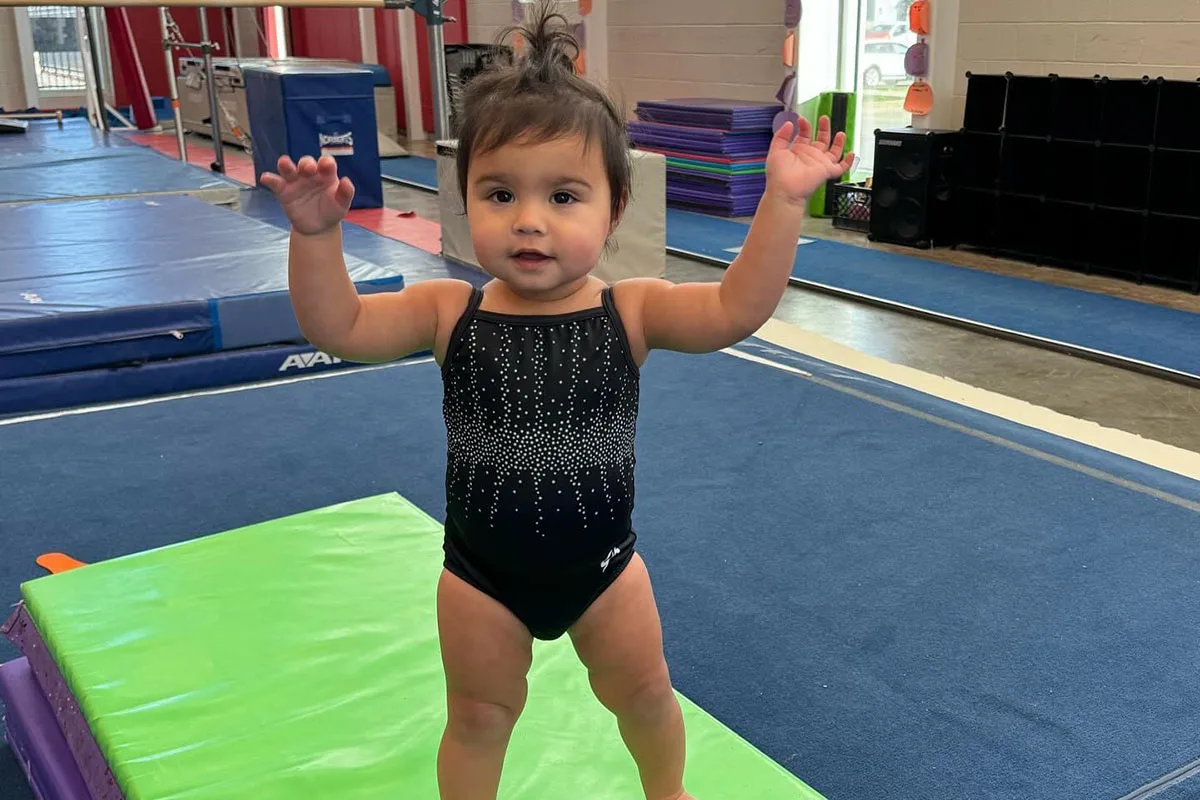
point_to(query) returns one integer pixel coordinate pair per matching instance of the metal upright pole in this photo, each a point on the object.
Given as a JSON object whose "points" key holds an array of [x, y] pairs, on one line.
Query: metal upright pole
{"points": [[437, 55], [214, 108], [89, 22], [172, 83]]}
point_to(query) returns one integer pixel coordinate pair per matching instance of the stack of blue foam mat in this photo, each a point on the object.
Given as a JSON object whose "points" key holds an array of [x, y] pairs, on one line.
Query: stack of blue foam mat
{"points": [[115, 299], [715, 149]]}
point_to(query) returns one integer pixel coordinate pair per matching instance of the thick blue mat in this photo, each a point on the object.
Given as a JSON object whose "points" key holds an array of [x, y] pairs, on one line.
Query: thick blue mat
{"points": [[415, 171], [1163, 337], [107, 172], [46, 138], [21, 396], [897, 602], [88, 284]]}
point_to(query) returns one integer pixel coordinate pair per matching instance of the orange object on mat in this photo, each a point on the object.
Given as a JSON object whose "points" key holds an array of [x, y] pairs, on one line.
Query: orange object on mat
{"points": [[585, 7], [55, 563], [919, 99]]}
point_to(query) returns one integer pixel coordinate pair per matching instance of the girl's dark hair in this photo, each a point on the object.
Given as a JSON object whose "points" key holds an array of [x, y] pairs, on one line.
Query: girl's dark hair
{"points": [[539, 98]]}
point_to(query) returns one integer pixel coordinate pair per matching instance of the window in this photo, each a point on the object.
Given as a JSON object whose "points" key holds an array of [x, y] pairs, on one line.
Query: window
{"points": [[57, 60], [881, 81]]}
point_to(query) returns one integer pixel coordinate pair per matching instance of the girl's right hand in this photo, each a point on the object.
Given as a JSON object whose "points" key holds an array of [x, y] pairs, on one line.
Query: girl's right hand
{"points": [[313, 198]]}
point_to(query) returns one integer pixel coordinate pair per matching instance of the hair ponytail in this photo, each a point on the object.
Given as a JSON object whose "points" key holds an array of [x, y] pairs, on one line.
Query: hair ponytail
{"points": [[550, 49], [539, 97]]}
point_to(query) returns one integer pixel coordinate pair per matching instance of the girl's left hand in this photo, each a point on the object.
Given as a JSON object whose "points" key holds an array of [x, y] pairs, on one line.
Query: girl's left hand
{"points": [[797, 167]]}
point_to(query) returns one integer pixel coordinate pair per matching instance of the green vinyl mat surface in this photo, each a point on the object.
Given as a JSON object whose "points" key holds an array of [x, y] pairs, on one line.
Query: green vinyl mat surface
{"points": [[299, 658]]}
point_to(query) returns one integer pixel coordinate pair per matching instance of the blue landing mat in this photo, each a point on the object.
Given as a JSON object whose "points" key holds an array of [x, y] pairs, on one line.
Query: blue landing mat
{"points": [[415, 171], [89, 284], [417, 264], [46, 138], [1150, 334], [886, 604], [108, 172]]}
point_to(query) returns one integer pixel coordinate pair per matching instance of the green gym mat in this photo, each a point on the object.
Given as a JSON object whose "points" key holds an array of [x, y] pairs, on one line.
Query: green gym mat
{"points": [[299, 658]]}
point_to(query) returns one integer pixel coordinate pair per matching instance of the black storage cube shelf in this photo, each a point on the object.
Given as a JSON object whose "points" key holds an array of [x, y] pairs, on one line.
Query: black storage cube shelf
{"points": [[1094, 174]]}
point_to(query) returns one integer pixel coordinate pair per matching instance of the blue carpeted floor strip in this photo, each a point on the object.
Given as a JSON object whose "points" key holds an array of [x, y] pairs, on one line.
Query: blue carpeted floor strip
{"points": [[893, 596], [415, 171], [1154, 335]]}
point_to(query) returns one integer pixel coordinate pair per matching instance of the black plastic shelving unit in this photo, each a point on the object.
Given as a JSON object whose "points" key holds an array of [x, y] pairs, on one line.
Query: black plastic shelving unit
{"points": [[1097, 175]]}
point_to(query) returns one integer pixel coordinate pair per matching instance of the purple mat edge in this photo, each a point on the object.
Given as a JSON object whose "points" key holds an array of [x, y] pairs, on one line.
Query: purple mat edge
{"points": [[23, 633], [35, 737]]}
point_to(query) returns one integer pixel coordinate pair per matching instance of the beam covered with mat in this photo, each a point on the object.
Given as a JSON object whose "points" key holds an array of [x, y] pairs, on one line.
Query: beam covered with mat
{"points": [[215, 667]]}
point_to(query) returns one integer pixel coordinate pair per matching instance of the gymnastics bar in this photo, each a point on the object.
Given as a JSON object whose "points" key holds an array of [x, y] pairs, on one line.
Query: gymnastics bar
{"points": [[431, 10]]}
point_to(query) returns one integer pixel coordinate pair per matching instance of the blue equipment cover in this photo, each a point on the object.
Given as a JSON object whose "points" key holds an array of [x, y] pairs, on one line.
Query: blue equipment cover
{"points": [[315, 110], [100, 283]]}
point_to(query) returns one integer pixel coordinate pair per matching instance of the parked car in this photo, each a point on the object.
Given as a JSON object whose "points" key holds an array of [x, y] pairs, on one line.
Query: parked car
{"points": [[883, 63]]}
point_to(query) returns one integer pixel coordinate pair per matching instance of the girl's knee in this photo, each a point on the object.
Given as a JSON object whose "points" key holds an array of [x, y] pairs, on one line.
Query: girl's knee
{"points": [[649, 697], [476, 722]]}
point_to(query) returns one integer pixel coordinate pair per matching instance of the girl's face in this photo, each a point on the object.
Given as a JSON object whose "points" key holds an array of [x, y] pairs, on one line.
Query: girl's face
{"points": [[539, 214]]}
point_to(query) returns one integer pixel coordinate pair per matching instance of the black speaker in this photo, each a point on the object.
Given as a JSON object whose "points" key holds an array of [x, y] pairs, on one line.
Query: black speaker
{"points": [[912, 190]]}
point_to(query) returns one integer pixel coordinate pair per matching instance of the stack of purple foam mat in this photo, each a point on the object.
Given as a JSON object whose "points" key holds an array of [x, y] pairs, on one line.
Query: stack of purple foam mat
{"points": [[715, 149]]}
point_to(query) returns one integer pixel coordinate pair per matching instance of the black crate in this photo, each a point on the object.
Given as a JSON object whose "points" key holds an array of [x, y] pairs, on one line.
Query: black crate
{"points": [[978, 160], [1123, 176], [1019, 227], [1024, 165], [985, 102], [1117, 243], [1027, 111], [975, 217], [1175, 182], [852, 207], [1176, 126], [1068, 233], [1130, 108], [1071, 171], [1077, 107], [1173, 252]]}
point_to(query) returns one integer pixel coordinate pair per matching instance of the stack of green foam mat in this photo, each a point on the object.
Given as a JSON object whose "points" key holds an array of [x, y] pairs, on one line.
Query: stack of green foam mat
{"points": [[842, 109], [298, 658]]}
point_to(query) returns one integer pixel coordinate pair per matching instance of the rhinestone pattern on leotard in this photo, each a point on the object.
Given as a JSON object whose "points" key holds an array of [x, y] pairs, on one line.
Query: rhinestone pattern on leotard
{"points": [[541, 415]]}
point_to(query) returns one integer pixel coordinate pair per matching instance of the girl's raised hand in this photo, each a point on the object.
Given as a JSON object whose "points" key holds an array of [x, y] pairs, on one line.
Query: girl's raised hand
{"points": [[798, 165], [311, 194]]}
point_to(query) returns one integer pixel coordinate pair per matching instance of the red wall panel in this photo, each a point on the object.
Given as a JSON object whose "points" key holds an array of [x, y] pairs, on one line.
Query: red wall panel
{"points": [[148, 42], [387, 43], [325, 33]]}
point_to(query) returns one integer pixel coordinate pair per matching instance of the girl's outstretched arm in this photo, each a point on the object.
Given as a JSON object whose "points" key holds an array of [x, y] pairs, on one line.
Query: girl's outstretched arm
{"points": [[702, 317]]}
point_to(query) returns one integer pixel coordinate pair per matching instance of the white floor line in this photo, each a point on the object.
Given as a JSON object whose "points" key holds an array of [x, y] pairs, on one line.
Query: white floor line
{"points": [[1128, 445], [72, 412]]}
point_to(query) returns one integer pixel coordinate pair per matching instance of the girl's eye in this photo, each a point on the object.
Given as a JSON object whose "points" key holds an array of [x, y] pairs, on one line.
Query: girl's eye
{"points": [[563, 198], [502, 196]]}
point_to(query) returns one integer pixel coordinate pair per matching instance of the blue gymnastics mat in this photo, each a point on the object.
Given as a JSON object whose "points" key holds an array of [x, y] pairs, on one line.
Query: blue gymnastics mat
{"points": [[892, 596], [90, 284], [416, 171], [106, 173], [1164, 338], [46, 138]]}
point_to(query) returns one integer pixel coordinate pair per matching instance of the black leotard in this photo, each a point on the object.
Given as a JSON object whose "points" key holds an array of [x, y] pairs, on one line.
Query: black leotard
{"points": [[540, 413]]}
